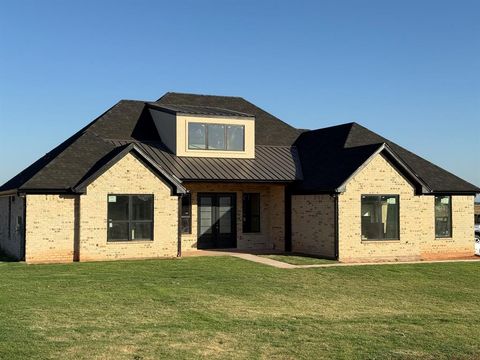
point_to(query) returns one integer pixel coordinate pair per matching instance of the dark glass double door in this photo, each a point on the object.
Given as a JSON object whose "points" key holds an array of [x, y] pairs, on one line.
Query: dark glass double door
{"points": [[216, 221]]}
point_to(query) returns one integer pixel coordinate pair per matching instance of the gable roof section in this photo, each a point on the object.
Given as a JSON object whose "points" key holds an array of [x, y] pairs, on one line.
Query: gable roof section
{"points": [[420, 186], [269, 130], [117, 154], [329, 156]]}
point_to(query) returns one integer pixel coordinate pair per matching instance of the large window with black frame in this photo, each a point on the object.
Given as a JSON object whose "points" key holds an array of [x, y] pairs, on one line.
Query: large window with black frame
{"points": [[130, 217], [186, 214], [216, 137], [380, 217], [443, 216], [251, 212]]}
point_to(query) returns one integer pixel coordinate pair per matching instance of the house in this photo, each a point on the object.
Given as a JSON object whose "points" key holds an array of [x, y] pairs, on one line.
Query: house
{"points": [[188, 172]]}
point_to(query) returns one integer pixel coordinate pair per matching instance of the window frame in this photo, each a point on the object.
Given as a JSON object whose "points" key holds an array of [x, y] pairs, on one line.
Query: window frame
{"points": [[225, 137], [379, 196], [189, 195], [249, 230], [130, 220], [450, 235]]}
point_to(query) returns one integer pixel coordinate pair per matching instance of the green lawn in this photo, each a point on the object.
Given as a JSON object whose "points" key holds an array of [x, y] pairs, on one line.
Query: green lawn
{"points": [[299, 260], [225, 307]]}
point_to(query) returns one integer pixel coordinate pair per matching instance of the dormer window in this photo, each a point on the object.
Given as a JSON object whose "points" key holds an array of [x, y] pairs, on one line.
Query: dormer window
{"points": [[216, 137], [201, 131]]}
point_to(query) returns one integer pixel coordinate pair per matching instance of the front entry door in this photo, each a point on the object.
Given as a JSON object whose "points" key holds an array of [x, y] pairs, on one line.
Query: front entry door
{"points": [[216, 221]]}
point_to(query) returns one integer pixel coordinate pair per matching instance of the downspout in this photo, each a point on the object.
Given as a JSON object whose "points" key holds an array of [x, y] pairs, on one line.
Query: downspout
{"points": [[77, 228], [288, 220], [24, 249], [335, 210], [179, 226]]}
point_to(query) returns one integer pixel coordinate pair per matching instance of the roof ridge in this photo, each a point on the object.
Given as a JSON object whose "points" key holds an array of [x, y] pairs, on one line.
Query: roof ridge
{"points": [[195, 94], [277, 118], [351, 124], [198, 109], [196, 106]]}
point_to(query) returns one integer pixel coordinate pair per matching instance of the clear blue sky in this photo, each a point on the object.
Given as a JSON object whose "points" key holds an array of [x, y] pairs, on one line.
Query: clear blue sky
{"points": [[409, 70]]}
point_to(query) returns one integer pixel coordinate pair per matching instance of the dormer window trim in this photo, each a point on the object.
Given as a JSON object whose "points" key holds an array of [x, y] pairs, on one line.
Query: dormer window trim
{"points": [[207, 139]]}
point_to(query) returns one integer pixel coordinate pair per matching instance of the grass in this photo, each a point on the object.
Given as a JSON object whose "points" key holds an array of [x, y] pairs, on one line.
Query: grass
{"points": [[299, 260], [229, 308]]}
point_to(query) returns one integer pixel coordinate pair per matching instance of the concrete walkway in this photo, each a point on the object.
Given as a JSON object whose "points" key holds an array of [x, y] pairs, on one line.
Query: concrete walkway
{"points": [[267, 261], [284, 265]]}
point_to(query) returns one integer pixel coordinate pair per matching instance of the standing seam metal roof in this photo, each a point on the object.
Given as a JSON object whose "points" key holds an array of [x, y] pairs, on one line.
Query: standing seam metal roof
{"points": [[271, 164]]}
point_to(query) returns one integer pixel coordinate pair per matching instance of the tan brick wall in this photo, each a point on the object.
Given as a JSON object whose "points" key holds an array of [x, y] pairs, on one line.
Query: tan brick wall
{"points": [[313, 225], [461, 243], [50, 228], [272, 219], [127, 176], [12, 228], [417, 236]]}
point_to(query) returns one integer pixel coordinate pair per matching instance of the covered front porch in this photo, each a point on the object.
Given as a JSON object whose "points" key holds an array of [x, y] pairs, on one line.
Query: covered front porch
{"points": [[244, 216]]}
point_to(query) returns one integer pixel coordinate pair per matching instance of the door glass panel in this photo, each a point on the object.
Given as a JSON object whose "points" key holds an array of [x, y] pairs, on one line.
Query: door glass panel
{"points": [[225, 214], [205, 215]]}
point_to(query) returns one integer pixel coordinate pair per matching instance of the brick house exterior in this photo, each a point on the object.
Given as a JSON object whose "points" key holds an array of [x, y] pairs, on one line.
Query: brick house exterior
{"points": [[187, 172]]}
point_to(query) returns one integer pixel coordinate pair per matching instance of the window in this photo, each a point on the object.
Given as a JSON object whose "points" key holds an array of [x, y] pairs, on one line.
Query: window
{"points": [[251, 213], [443, 216], [130, 217], [380, 217], [186, 214], [197, 136], [235, 137], [216, 137]]}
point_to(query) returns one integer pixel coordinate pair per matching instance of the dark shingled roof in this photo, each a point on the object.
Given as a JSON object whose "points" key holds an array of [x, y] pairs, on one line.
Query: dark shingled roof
{"points": [[329, 156], [318, 160], [129, 121]]}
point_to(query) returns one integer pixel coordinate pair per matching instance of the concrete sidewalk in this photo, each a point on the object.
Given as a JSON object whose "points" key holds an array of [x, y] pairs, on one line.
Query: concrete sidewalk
{"points": [[284, 265]]}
